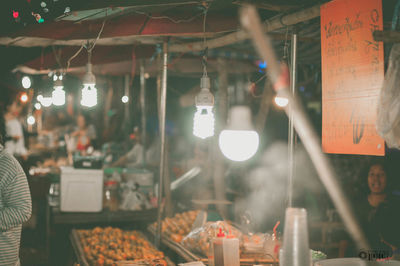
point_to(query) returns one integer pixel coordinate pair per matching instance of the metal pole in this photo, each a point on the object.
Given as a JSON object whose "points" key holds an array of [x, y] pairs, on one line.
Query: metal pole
{"points": [[162, 134], [126, 93], [293, 81], [278, 75], [143, 108]]}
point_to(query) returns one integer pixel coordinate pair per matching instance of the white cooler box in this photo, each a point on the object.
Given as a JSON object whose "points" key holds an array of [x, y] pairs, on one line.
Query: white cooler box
{"points": [[81, 190]]}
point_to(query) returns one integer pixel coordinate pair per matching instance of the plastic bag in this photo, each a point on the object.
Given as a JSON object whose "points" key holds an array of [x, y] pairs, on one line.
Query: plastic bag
{"points": [[388, 119], [200, 238]]}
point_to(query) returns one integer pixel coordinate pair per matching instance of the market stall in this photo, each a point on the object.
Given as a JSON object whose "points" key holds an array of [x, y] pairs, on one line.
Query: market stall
{"points": [[208, 128]]}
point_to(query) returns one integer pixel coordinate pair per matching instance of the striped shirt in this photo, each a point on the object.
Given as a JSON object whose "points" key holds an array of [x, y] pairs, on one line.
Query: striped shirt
{"points": [[15, 207]]}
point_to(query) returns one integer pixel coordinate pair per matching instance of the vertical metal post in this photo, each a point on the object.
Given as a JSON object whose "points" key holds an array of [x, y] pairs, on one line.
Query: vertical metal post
{"points": [[277, 73], [143, 109], [293, 81], [162, 135], [126, 93]]}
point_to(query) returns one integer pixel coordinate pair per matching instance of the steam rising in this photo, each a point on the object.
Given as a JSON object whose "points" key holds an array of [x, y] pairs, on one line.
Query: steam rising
{"points": [[267, 190]]}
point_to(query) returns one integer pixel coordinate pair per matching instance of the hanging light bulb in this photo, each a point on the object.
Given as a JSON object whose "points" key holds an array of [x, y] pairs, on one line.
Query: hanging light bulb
{"points": [[89, 91], [239, 141], [31, 120], [58, 95], [38, 106], [46, 101], [281, 101], [203, 122]]}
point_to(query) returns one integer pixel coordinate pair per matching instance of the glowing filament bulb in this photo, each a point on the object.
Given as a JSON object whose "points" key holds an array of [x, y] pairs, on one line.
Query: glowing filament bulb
{"points": [[203, 126]]}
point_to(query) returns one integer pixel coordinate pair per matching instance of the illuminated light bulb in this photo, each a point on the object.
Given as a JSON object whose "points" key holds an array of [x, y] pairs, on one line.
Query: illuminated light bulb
{"points": [[239, 141], [203, 121], [89, 95], [39, 97], [146, 75], [38, 106], [125, 99], [46, 101], [281, 101], [58, 95], [203, 126], [26, 82], [24, 98], [55, 77], [89, 91], [31, 120]]}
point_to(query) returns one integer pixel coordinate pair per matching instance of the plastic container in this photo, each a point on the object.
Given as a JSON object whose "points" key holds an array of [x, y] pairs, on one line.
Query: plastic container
{"points": [[218, 249], [295, 250], [81, 190], [110, 196], [231, 251]]}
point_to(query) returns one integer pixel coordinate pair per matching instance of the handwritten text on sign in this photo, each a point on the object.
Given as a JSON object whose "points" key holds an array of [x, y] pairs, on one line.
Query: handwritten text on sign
{"points": [[352, 75]]}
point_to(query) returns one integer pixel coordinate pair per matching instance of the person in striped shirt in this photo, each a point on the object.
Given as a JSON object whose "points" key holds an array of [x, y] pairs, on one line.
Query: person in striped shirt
{"points": [[15, 206]]}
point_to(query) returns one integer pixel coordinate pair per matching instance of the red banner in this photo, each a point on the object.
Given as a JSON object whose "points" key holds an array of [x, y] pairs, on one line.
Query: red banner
{"points": [[352, 75]]}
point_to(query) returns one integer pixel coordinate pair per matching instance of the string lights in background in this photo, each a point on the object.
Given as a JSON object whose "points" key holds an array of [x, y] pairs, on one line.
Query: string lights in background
{"points": [[24, 97], [26, 82], [125, 99], [31, 120]]}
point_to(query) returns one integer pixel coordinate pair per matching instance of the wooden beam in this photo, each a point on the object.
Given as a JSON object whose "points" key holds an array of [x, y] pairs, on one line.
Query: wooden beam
{"points": [[77, 5], [241, 35], [265, 5], [131, 25]]}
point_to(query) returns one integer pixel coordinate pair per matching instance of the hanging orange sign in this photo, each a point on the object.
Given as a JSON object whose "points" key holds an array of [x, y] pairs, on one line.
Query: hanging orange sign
{"points": [[352, 75]]}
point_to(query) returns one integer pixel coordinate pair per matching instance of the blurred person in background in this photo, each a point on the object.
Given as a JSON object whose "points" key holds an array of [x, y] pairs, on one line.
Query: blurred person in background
{"points": [[14, 144], [15, 198], [84, 134], [133, 158]]}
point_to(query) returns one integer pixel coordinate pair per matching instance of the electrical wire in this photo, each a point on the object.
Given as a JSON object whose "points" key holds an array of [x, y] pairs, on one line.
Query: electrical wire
{"points": [[57, 56], [72, 57], [89, 48], [169, 18], [204, 60]]}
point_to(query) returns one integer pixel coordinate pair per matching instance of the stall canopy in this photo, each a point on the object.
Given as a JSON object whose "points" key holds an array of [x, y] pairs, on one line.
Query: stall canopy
{"points": [[131, 30]]}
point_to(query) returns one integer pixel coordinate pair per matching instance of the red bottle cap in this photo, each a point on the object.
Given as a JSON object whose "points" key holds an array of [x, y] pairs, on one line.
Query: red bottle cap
{"points": [[220, 234]]}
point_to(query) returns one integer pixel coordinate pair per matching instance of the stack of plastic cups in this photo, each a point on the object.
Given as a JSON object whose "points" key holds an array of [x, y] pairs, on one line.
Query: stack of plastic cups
{"points": [[295, 250]]}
